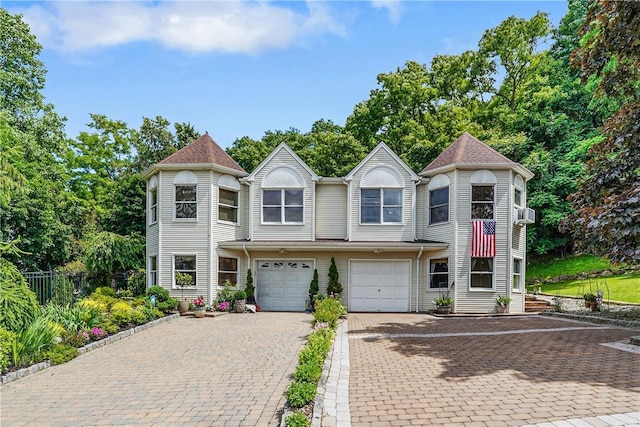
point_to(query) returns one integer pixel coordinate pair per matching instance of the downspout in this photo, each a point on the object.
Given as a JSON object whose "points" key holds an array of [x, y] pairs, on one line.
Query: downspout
{"points": [[349, 210], [418, 278]]}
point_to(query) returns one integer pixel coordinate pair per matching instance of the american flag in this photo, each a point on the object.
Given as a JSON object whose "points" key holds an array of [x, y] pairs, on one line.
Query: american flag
{"points": [[483, 244]]}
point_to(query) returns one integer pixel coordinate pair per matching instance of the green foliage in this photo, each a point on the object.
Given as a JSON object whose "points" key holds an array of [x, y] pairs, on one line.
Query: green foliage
{"points": [[227, 293], [502, 300], [240, 295], [333, 285], [161, 294], [61, 353], [297, 419], [308, 372], [328, 311], [313, 286], [73, 317], [622, 288], [300, 393], [249, 288], [32, 341], [136, 282], [6, 342], [546, 267], [122, 313], [18, 304], [105, 253], [105, 291]]}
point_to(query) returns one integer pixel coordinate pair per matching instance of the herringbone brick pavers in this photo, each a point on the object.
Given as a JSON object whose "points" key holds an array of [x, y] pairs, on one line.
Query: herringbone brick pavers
{"points": [[229, 371], [412, 369]]}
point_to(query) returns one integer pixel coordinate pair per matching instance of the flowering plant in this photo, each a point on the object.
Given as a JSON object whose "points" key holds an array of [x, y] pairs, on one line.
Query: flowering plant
{"points": [[97, 333], [223, 306], [198, 302]]}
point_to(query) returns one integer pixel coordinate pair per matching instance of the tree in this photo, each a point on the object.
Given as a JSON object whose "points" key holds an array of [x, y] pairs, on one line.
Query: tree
{"points": [[607, 203], [155, 142], [334, 287], [107, 253]]}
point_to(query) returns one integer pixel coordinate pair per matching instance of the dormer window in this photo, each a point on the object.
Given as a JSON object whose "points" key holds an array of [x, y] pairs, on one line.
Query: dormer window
{"points": [[381, 196], [283, 197]]}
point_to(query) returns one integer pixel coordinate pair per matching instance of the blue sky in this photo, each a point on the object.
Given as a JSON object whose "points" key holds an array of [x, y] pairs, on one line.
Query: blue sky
{"points": [[236, 68]]}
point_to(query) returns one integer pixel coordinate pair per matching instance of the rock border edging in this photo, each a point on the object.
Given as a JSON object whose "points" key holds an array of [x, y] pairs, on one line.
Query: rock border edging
{"points": [[12, 376], [594, 319]]}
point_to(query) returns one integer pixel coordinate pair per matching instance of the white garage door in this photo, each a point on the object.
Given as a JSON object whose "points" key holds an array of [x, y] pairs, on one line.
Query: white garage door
{"points": [[283, 285], [379, 286]]}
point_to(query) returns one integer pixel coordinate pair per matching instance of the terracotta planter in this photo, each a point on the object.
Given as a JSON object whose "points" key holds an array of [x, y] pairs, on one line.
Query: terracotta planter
{"points": [[594, 305], [587, 304], [183, 307], [199, 313]]}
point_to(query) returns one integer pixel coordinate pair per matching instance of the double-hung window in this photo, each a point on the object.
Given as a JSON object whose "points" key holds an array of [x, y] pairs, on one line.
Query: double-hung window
{"points": [[227, 205], [517, 274], [439, 199], [381, 205], [153, 271], [482, 202], [283, 206], [185, 185], [185, 264], [482, 273], [439, 273], [227, 270], [152, 200]]}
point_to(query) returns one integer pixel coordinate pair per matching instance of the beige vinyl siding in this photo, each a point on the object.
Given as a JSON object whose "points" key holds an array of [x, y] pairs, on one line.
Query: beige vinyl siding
{"points": [[221, 231], [331, 211], [422, 211], [299, 232], [184, 237], [481, 301], [518, 246], [380, 232], [443, 232]]}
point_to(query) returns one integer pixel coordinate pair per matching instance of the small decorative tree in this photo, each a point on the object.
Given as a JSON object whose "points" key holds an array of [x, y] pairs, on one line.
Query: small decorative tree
{"points": [[249, 289], [313, 288], [183, 280], [333, 286]]}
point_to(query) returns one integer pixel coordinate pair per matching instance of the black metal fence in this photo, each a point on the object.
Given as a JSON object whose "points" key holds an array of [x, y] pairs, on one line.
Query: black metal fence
{"points": [[56, 287]]}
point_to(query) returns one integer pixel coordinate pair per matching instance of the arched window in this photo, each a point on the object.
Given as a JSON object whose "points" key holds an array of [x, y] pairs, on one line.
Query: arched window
{"points": [[381, 196], [185, 184], [483, 183], [283, 196], [518, 192], [439, 199]]}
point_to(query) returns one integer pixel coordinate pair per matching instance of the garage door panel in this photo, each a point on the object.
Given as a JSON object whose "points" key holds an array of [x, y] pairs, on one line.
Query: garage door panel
{"points": [[379, 285], [283, 285]]}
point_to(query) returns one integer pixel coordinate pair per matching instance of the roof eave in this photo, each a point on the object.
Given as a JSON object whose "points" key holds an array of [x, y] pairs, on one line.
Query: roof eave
{"points": [[192, 166], [333, 246], [526, 173]]}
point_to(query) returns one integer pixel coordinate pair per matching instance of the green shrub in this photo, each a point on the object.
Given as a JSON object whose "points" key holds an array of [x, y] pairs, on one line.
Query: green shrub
{"points": [[121, 313], [162, 295], [75, 338], [300, 393], [328, 311], [166, 306], [308, 372], [321, 340], [60, 353], [139, 315], [6, 341], [62, 290], [297, 419], [73, 318], [240, 295], [36, 338], [106, 291], [137, 282], [109, 327], [333, 285], [18, 304]]}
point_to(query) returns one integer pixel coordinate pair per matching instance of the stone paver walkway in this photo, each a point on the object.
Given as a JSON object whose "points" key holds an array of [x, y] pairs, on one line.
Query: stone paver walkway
{"points": [[415, 369], [229, 371]]}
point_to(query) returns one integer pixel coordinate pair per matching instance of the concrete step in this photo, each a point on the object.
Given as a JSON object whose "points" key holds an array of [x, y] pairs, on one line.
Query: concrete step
{"points": [[534, 305]]}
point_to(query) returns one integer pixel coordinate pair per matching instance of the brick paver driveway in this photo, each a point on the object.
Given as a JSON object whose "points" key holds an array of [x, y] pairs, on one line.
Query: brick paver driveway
{"points": [[228, 371], [411, 369]]}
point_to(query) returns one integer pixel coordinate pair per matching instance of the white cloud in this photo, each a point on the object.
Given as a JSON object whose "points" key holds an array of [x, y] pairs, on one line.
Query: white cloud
{"points": [[194, 26], [394, 8]]}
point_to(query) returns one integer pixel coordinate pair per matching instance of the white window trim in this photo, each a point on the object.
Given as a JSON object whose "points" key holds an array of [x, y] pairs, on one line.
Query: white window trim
{"points": [[149, 270], [493, 203], [382, 205], [237, 207], [429, 273], [282, 206], [493, 277], [175, 202], [153, 207], [221, 285], [173, 269], [520, 287]]}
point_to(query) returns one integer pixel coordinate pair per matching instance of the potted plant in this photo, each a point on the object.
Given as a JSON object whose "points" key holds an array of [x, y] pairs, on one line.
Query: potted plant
{"points": [[443, 304], [334, 287], [241, 301], [198, 306], [313, 289], [183, 280], [590, 299], [502, 303]]}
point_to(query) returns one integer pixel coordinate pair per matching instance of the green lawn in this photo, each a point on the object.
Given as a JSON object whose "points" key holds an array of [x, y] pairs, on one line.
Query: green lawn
{"points": [[624, 288], [544, 269]]}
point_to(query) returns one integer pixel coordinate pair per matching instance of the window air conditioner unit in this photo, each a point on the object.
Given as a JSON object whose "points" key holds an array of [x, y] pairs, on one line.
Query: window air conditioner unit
{"points": [[526, 216]]}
